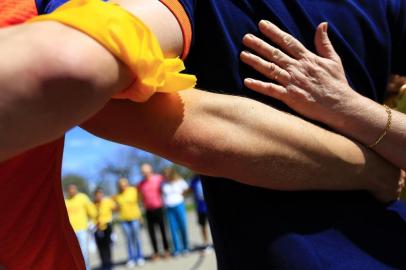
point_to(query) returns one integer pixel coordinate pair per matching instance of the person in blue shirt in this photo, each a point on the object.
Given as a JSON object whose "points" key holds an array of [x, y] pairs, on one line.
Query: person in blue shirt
{"points": [[201, 209], [289, 230]]}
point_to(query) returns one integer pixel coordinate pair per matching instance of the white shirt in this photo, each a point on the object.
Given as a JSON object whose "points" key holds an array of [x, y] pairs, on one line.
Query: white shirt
{"points": [[172, 192]]}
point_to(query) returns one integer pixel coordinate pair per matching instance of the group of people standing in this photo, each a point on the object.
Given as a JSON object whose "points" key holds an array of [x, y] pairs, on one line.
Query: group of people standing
{"points": [[163, 199]]}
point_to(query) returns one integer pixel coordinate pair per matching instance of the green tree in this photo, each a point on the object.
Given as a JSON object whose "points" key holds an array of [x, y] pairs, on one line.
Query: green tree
{"points": [[78, 180]]}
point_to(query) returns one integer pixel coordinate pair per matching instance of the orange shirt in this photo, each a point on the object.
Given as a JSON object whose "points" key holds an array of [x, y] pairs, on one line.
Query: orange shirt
{"points": [[35, 232], [34, 227]]}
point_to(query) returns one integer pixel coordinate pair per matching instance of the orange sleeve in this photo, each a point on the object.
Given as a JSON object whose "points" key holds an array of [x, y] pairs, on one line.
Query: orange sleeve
{"points": [[16, 12], [179, 12]]}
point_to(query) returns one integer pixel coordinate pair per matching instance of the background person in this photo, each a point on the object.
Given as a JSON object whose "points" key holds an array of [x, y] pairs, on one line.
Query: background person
{"points": [[104, 217], [80, 211], [173, 195], [201, 210], [130, 219], [150, 190]]}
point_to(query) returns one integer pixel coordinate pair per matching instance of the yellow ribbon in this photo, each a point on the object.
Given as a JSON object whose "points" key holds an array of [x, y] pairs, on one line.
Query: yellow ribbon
{"points": [[128, 39]]}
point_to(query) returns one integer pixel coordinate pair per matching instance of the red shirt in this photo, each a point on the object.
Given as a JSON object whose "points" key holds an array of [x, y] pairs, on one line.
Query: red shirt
{"points": [[35, 232], [150, 190]]}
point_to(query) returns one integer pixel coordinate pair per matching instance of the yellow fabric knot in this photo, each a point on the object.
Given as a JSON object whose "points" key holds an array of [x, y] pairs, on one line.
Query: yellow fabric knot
{"points": [[128, 39]]}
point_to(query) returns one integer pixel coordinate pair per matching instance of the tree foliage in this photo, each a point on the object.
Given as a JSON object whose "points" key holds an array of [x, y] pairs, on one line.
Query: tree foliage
{"points": [[78, 180], [127, 164]]}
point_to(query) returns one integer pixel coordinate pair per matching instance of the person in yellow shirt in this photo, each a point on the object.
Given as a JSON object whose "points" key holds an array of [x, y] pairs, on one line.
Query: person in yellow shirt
{"points": [[104, 217], [130, 218], [80, 211]]}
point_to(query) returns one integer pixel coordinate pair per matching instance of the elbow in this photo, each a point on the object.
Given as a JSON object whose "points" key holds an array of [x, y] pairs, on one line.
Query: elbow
{"points": [[193, 157], [70, 57], [196, 152]]}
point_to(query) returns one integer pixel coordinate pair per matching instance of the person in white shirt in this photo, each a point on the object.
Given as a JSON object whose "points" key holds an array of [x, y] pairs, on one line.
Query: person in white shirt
{"points": [[173, 195]]}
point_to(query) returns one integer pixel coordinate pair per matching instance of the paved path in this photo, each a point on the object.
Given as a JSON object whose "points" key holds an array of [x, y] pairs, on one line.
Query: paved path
{"points": [[194, 261]]}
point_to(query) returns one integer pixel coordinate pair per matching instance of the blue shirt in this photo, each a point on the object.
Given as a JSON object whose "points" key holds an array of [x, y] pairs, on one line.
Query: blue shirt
{"points": [[255, 228], [197, 188]]}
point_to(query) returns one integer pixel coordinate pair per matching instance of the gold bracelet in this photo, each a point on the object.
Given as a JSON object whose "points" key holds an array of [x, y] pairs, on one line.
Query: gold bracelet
{"points": [[388, 126]]}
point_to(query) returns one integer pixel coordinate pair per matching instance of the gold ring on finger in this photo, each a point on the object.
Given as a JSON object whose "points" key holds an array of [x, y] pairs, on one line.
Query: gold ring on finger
{"points": [[275, 53], [287, 39]]}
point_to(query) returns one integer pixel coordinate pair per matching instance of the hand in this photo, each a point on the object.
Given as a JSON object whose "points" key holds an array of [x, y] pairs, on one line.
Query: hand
{"points": [[313, 85]]}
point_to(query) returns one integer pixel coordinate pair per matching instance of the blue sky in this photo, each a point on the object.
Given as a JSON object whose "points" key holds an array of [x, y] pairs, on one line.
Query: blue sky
{"points": [[85, 154]]}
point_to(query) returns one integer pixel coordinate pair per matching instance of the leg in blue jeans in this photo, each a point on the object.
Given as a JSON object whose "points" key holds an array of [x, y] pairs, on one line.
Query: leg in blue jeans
{"points": [[127, 229], [137, 236], [131, 231], [82, 239], [173, 226], [182, 224]]}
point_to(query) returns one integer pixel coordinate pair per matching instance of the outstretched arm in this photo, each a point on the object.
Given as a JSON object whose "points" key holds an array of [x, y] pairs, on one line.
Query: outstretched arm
{"points": [[245, 140]]}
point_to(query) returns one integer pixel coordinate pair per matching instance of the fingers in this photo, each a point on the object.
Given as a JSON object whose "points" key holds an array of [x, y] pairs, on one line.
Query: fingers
{"points": [[270, 70], [268, 89], [323, 44], [284, 40], [267, 51]]}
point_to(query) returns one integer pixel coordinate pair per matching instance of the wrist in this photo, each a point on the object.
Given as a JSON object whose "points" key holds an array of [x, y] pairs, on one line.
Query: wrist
{"points": [[362, 119], [342, 112]]}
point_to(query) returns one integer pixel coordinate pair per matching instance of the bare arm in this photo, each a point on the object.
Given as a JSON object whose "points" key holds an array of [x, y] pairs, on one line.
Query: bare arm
{"points": [[245, 140], [208, 132], [44, 91]]}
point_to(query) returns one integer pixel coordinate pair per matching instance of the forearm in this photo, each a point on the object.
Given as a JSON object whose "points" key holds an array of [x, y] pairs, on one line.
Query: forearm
{"points": [[243, 140], [52, 77], [365, 120]]}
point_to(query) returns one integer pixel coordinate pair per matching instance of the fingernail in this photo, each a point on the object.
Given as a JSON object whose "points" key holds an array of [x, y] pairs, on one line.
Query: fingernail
{"points": [[325, 27], [246, 53], [265, 22], [249, 36], [248, 80]]}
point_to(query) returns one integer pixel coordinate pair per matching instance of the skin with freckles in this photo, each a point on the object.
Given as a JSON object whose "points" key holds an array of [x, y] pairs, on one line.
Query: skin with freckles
{"points": [[315, 86]]}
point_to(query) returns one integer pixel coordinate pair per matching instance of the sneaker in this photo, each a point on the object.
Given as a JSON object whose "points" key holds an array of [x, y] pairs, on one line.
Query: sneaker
{"points": [[176, 254], [208, 250], [130, 264], [140, 262]]}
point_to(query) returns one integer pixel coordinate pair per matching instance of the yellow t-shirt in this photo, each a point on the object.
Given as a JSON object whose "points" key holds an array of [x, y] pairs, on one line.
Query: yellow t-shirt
{"points": [[80, 209], [128, 204], [104, 212]]}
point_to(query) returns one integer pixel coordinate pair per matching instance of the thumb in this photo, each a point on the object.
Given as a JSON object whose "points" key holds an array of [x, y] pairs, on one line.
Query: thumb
{"points": [[323, 43]]}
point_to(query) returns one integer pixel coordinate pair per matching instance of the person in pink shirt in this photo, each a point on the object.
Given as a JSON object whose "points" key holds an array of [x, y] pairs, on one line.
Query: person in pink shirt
{"points": [[150, 190]]}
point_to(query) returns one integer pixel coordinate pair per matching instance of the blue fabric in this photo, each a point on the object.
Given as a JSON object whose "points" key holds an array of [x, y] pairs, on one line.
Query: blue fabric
{"points": [[132, 232], [197, 188], [178, 227], [301, 230], [47, 6]]}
